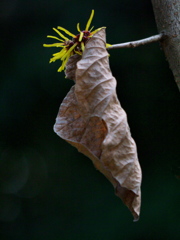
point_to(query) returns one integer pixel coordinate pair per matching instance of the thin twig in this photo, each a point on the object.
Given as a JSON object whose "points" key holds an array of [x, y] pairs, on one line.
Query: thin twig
{"points": [[138, 43]]}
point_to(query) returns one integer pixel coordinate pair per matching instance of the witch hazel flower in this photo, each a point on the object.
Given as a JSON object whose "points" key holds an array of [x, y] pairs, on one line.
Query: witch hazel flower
{"points": [[75, 45]]}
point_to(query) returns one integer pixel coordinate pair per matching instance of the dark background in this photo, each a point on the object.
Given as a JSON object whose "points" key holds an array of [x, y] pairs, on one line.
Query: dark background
{"points": [[48, 190]]}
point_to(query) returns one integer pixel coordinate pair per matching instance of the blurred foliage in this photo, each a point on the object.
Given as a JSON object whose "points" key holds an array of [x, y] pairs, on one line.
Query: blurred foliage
{"points": [[47, 189]]}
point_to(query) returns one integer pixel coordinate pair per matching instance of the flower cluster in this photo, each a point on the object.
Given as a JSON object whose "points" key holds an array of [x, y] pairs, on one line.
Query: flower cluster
{"points": [[74, 46]]}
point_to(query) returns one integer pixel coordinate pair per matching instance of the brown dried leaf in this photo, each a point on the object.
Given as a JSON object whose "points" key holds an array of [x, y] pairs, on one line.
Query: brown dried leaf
{"points": [[92, 119], [71, 66]]}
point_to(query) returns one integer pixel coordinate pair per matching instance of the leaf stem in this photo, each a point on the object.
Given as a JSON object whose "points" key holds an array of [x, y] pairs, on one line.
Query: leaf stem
{"points": [[138, 43]]}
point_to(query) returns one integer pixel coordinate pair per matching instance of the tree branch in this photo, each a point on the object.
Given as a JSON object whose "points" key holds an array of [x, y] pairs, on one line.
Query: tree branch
{"points": [[138, 43], [167, 16]]}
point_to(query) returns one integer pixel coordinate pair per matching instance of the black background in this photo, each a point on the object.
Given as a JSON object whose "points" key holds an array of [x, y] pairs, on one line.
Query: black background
{"points": [[48, 190]]}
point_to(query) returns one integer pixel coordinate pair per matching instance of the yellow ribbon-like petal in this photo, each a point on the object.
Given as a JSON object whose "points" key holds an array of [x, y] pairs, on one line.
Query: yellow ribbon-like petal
{"points": [[66, 31], [82, 46], [54, 45], [61, 52], [81, 36], [71, 49], [95, 31], [60, 34], [49, 36], [64, 63], [89, 21], [79, 53], [108, 45], [91, 28], [58, 55], [78, 28]]}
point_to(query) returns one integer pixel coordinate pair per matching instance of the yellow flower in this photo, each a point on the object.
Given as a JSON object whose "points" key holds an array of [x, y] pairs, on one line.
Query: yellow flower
{"points": [[74, 46]]}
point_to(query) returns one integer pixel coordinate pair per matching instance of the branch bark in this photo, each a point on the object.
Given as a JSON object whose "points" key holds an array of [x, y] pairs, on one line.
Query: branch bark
{"points": [[167, 16], [138, 43]]}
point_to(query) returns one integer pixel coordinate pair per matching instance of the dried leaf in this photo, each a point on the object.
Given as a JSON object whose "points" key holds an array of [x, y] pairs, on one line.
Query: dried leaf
{"points": [[71, 66], [92, 119]]}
